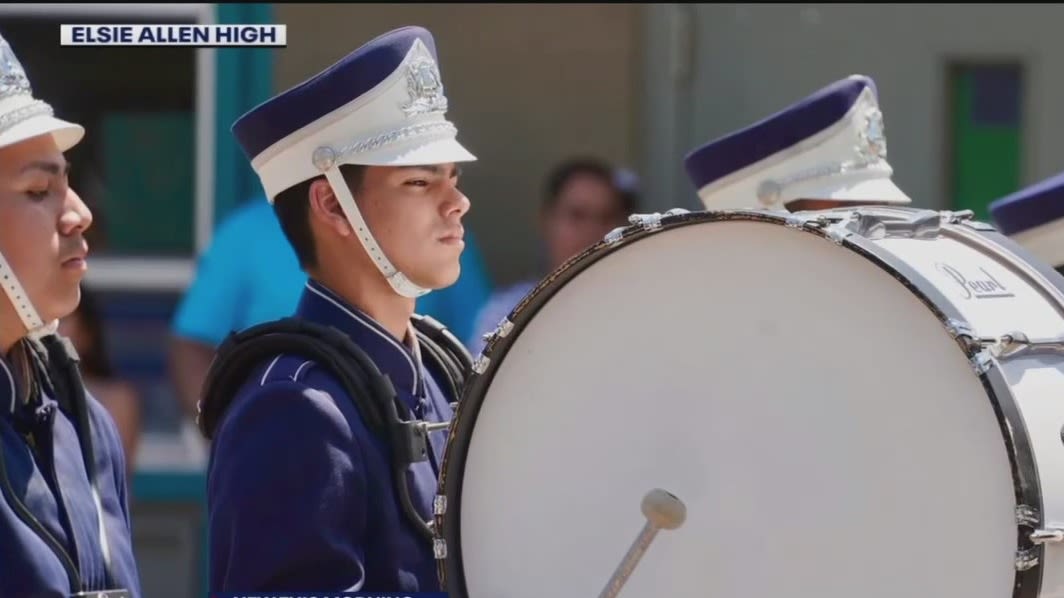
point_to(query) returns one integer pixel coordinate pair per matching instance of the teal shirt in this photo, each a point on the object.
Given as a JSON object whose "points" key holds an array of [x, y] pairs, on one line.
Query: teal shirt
{"points": [[249, 275]]}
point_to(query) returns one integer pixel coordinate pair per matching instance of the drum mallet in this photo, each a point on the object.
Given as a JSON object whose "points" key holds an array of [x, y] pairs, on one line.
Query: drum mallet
{"points": [[663, 511]]}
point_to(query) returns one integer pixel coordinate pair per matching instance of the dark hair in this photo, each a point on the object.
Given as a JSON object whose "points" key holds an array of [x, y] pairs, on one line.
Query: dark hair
{"points": [[292, 207], [94, 357], [563, 173]]}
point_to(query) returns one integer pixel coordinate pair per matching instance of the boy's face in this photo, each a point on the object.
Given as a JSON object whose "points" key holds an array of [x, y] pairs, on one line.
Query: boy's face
{"points": [[42, 225], [415, 214]]}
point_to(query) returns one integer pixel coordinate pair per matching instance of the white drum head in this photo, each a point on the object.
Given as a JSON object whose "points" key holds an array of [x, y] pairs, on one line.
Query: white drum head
{"points": [[828, 437]]}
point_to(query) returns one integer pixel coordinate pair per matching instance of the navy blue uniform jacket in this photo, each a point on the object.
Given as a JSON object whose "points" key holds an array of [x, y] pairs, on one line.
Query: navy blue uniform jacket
{"points": [[300, 493], [68, 532]]}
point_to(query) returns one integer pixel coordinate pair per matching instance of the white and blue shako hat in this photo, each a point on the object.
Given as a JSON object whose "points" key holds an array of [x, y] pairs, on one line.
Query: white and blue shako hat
{"points": [[381, 105], [1034, 218], [829, 146], [24, 117]]}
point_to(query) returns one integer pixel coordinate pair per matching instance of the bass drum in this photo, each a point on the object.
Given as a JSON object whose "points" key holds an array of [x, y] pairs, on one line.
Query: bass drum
{"points": [[856, 402]]}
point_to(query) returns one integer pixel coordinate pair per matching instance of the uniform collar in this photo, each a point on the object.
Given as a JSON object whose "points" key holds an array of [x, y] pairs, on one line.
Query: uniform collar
{"points": [[399, 361]]}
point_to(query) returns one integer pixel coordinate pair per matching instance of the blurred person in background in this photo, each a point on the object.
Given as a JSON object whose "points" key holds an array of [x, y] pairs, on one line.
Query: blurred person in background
{"points": [[584, 199], [85, 330], [249, 275]]}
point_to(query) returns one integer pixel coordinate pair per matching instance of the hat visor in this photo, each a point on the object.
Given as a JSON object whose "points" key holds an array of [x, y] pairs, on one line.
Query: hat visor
{"points": [[66, 134], [1045, 241], [877, 191], [439, 151]]}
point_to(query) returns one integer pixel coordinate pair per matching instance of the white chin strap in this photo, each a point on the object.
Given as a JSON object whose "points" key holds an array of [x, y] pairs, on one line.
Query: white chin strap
{"points": [[21, 302], [398, 281]]}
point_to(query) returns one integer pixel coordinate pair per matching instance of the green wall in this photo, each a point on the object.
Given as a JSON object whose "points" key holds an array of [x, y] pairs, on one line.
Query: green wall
{"points": [[987, 134], [245, 79]]}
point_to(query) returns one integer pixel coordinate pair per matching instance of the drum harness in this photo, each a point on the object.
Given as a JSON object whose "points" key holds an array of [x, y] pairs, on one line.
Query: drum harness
{"points": [[58, 371], [371, 391]]}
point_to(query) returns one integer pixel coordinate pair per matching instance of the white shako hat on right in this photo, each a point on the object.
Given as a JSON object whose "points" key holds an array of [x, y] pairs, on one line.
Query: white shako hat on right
{"points": [[1034, 218], [829, 146]]}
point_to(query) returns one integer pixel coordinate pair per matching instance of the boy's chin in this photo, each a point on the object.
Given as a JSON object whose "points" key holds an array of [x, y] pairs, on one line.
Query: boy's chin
{"points": [[439, 279]]}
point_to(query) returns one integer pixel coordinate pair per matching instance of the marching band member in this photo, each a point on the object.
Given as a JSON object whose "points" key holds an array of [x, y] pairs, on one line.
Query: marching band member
{"points": [[826, 151], [64, 514], [1034, 218], [314, 481]]}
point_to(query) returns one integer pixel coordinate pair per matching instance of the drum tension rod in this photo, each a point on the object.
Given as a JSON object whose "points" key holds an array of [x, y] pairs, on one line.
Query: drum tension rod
{"points": [[1047, 536], [433, 426], [1027, 518], [1014, 344]]}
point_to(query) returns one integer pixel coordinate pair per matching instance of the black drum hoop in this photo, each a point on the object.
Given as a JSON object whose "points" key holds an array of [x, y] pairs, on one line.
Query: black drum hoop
{"points": [[1026, 485]]}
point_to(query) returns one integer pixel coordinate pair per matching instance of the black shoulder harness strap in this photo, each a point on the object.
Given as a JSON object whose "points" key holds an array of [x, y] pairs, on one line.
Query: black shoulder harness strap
{"points": [[333, 350], [446, 350], [243, 351], [371, 391], [59, 366]]}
